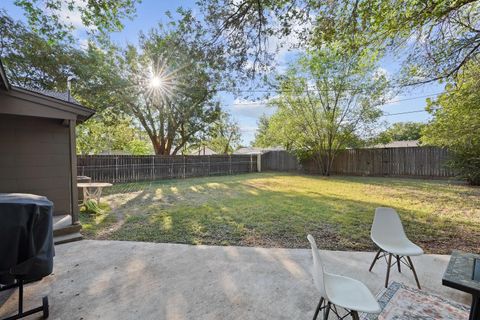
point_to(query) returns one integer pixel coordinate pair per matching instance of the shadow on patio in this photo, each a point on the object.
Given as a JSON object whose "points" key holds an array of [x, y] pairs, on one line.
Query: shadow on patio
{"points": [[135, 280]]}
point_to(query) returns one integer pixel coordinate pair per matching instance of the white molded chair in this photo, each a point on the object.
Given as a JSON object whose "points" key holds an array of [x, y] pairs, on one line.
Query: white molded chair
{"points": [[347, 293], [388, 234]]}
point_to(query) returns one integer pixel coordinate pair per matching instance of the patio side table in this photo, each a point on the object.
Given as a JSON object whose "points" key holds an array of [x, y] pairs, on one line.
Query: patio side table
{"points": [[93, 190], [463, 273]]}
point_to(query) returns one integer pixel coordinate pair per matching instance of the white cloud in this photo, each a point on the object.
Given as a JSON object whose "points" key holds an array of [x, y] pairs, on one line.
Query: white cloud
{"points": [[252, 109], [248, 129], [83, 43], [74, 16]]}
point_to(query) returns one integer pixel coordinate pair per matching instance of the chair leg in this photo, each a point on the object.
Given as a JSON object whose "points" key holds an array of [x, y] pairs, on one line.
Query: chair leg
{"points": [[388, 269], [326, 312], [355, 315], [375, 260], [320, 303], [398, 264], [414, 272]]}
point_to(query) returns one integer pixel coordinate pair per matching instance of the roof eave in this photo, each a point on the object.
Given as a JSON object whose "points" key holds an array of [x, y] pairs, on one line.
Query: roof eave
{"points": [[83, 113]]}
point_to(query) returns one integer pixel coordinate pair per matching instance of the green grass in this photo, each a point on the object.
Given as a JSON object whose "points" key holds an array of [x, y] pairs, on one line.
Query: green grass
{"points": [[278, 210]]}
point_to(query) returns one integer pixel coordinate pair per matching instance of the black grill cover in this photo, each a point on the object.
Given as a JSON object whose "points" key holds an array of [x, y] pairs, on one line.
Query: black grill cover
{"points": [[26, 237]]}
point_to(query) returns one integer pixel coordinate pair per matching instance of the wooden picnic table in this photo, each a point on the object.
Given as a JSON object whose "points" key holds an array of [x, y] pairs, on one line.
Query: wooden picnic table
{"points": [[93, 190]]}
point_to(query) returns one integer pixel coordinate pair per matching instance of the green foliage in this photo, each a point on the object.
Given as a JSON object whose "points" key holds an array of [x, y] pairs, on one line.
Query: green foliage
{"points": [[224, 136], [326, 100], [56, 19], [263, 136], [91, 207], [400, 131], [437, 37], [456, 123], [31, 60], [106, 133], [181, 106]]}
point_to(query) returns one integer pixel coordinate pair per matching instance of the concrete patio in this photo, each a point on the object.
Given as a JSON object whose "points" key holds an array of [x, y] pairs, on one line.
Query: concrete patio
{"points": [[135, 280]]}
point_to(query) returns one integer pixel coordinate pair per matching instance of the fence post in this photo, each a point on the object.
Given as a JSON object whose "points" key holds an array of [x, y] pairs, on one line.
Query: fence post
{"points": [[153, 168], [230, 164], [208, 165], [251, 163], [184, 167], [115, 179], [259, 162]]}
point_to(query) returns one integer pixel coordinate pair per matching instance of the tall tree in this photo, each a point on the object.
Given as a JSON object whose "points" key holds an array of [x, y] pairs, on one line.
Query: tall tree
{"points": [[456, 123], [170, 85], [326, 100]]}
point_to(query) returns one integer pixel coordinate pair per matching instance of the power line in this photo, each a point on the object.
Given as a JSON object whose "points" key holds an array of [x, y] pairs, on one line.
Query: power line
{"points": [[406, 112], [306, 90], [388, 102]]}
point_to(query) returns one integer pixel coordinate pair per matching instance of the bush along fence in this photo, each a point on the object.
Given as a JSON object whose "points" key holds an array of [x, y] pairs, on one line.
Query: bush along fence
{"points": [[428, 162], [121, 168]]}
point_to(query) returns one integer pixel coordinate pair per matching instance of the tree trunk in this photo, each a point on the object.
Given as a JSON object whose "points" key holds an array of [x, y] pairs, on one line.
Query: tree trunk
{"points": [[159, 146]]}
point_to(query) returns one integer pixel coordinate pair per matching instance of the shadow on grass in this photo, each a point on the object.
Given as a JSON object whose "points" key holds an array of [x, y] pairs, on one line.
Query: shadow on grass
{"points": [[235, 213]]}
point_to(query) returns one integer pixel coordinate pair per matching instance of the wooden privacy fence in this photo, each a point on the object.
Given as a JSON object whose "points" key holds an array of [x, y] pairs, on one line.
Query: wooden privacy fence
{"points": [[410, 162], [123, 168], [413, 162], [280, 161]]}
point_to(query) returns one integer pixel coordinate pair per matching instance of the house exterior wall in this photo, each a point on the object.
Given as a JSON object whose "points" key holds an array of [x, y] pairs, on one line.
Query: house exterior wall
{"points": [[35, 158]]}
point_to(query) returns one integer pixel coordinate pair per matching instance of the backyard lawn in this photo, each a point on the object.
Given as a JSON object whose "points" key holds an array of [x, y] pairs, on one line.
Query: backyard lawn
{"points": [[278, 210]]}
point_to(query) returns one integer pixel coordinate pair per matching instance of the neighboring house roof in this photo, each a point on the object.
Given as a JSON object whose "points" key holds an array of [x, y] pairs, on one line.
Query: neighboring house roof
{"points": [[255, 150], [399, 144], [43, 103], [203, 151]]}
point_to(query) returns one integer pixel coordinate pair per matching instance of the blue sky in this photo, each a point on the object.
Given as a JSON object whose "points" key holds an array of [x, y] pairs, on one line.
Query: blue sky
{"points": [[245, 112]]}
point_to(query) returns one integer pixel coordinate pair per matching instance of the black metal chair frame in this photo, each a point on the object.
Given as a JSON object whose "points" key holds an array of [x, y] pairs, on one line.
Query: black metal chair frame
{"points": [[399, 260], [22, 314], [328, 306]]}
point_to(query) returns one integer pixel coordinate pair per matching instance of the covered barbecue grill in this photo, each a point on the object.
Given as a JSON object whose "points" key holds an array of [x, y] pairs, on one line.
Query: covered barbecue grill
{"points": [[26, 244]]}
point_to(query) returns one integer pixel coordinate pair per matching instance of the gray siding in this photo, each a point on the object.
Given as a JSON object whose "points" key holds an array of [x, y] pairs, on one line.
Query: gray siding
{"points": [[35, 158]]}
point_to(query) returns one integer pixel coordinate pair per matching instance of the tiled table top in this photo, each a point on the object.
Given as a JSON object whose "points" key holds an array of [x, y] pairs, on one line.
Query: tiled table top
{"points": [[459, 273]]}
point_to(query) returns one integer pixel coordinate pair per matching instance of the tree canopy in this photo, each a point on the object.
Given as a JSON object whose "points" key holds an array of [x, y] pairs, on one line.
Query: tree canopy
{"points": [[400, 131], [326, 99], [224, 136], [170, 84], [105, 134], [436, 37], [456, 122], [55, 19]]}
